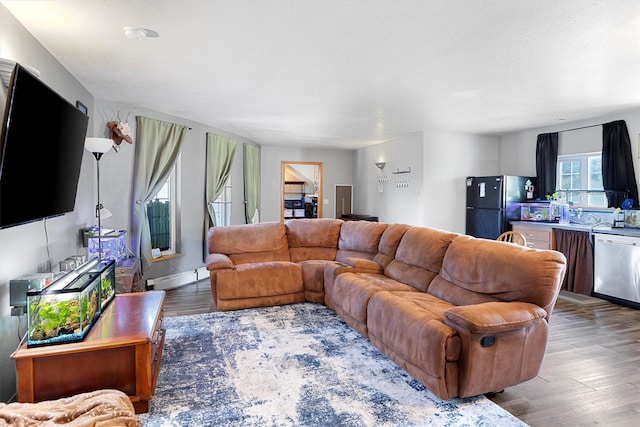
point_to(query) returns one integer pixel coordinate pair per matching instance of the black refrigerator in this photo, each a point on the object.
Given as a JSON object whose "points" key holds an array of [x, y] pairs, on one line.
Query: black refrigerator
{"points": [[492, 201]]}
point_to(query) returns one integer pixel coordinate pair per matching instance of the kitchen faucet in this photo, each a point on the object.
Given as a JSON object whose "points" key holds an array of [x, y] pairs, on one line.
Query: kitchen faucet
{"points": [[596, 218]]}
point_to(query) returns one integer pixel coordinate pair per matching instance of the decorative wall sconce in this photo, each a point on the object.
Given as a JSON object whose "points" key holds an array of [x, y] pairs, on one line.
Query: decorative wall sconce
{"points": [[380, 165]]}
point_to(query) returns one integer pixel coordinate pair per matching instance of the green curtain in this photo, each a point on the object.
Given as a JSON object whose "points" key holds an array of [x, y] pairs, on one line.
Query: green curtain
{"points": [[157, 148], [220, 154], [251, 183]]}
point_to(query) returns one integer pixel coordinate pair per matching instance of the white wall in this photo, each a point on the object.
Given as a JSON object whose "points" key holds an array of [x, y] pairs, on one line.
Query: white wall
{"points": [[439, 161], [394, 204], [337, 166], [33, 247], [448, 159]]}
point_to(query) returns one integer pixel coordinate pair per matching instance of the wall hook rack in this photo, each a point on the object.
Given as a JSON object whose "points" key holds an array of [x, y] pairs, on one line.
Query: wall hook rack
{"points": [[397, 171]]}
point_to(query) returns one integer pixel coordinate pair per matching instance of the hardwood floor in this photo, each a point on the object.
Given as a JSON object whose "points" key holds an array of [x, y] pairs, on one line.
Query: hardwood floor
{"points": [[194, 298], [590, 375]]}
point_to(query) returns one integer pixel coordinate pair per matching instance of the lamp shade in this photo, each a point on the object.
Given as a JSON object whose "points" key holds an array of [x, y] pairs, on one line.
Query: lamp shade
{"points": [[98, 145], [104, 213]]}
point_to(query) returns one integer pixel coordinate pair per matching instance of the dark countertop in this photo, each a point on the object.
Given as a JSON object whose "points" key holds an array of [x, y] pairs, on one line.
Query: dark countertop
{"points": [[601, 229]]}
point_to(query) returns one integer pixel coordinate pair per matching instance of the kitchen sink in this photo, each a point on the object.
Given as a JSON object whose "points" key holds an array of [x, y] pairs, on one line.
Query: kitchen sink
{"points": [[574, 226]]}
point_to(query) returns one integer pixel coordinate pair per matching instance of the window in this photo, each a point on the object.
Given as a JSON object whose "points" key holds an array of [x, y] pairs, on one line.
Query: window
{"points": [[222, 206], [583, 174], [162, 216]]}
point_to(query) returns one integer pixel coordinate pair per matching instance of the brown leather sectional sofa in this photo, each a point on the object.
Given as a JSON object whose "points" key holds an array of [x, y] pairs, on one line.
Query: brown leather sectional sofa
{"points": [[464, 316]]}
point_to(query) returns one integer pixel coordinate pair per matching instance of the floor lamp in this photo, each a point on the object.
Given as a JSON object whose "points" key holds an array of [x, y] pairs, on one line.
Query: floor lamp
{"points": [[99, 146]]}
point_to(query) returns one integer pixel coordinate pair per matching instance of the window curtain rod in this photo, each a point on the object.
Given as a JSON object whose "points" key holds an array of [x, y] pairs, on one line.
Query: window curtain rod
{"points": [[581, 127]]}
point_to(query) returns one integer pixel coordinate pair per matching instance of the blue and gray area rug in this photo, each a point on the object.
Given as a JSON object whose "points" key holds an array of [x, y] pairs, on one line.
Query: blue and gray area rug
{"points": [[296, 365]]}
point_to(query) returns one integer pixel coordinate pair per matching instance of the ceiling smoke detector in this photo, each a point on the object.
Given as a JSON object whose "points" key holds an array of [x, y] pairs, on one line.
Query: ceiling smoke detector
{"points": [[139, 33]]}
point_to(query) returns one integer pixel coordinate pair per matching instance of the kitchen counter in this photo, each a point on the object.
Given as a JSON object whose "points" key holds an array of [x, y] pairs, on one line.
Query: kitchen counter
{"points": [[602, 229]]}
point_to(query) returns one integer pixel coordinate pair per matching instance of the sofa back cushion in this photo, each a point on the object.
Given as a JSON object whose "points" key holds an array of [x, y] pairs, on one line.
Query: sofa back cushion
{"points": [[419, 256], [359, 239], [479, 270], [313, 239], [389, 243], [247, 243]]}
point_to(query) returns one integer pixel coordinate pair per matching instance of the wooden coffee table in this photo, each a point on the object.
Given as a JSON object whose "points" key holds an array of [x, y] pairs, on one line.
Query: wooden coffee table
{"points": [[121, 351]]}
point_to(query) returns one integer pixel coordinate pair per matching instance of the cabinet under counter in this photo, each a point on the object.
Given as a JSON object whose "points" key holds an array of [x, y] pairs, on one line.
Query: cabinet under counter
{"points": [[539, 235]]}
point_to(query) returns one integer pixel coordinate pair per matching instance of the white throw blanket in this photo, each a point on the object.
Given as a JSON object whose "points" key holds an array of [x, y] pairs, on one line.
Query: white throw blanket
{"points": [[98, 408]]}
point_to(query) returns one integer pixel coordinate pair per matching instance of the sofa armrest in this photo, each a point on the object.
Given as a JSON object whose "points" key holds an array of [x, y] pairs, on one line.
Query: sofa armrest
{"points": [[219, 262], [364, 265], [492, 317]]}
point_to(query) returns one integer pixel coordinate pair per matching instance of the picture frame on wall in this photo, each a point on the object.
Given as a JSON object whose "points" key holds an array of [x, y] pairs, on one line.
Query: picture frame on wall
{"points": [[82, 107]]}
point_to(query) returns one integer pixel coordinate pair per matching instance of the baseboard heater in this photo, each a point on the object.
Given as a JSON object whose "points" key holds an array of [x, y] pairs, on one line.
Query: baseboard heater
{"points": [[176, 280]]}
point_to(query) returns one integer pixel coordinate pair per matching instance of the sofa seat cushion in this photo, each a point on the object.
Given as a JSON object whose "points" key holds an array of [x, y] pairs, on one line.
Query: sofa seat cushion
{"points": [[258, 280], [313, 279], [313, 274], [351, 292], [410, 328]]}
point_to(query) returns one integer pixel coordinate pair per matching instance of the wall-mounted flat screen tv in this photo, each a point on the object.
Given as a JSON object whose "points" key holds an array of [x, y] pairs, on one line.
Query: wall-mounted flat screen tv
{"points": [[41, 148]]}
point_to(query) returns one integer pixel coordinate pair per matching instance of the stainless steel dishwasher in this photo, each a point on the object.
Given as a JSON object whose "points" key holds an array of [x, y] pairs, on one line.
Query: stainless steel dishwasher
{"points": [[616, 265]]}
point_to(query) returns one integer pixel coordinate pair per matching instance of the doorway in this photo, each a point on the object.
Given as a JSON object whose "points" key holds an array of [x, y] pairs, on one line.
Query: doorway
{"points": [[301, 185], [344, 200]]}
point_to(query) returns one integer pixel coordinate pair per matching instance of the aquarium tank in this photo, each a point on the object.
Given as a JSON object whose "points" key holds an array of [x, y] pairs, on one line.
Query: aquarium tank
{"points": [[113, 244], [64, 311], [107, 271]]}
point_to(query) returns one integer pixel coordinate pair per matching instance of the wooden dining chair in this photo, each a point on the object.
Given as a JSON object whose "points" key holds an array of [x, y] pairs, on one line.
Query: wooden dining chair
{"points": [[513, 237]]}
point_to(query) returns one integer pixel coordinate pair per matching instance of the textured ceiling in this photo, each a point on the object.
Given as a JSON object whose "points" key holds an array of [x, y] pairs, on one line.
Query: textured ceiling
{"points": [[351, 73]]}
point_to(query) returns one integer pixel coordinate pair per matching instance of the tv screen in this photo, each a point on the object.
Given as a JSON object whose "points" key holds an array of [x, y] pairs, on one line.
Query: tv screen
{"points": [[41, 148]]}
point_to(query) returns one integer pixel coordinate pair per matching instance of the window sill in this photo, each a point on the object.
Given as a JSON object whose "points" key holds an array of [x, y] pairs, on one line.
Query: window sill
{"points": [[165, 257]]}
